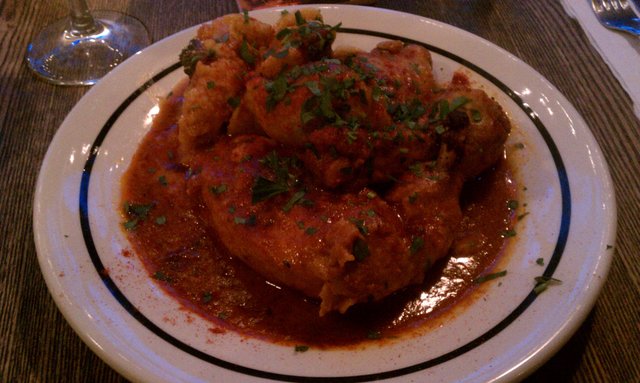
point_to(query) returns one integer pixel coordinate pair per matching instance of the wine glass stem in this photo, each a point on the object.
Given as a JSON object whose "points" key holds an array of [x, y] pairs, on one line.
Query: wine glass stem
{"points": [[82, 23]]}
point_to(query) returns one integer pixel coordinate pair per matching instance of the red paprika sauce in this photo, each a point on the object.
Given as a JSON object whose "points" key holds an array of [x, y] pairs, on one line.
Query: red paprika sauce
{"points": [[182, 254]]}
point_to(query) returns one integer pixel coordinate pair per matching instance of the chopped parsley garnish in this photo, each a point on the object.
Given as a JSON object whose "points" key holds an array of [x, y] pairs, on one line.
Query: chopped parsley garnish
{"points": [[458, 102], [207, 297], [233, 102], [540, 261], [218, 189], [416, 169], [297, 198], [542, 283], [360, 249], [508, 233], [360, 225], [248, 221], [301, 348], [277, 90], [163, 180], [131, 224], [374, 334], [513, 204], [263, 189], [476, 116], [417, 243], [136, 213], [246, 54], [160, 276], [194, 52], [282, 182], [489, 277], [161, 220], [299, 18]]}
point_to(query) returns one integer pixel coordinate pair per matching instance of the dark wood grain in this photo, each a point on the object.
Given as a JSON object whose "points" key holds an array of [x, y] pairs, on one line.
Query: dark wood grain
{"points": [[36, 343]]}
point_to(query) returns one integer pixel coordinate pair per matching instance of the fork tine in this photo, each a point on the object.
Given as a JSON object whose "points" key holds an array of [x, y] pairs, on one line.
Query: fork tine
{"points": [[617, 14]]}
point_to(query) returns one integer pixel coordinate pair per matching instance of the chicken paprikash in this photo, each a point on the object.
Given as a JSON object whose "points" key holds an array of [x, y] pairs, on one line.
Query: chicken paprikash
{"points": [[338, 174]]}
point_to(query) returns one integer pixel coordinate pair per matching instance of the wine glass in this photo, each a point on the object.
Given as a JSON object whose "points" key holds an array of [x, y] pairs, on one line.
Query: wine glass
{"points": [[82, 48]]}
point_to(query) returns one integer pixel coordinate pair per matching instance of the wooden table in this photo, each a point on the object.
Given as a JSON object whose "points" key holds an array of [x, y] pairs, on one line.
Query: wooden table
{"points": [[37, 345]]}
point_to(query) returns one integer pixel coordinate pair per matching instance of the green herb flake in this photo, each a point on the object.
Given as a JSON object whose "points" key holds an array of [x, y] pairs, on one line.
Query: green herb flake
{"points": [[489, 277], [281, 54], [542, 283], [297, 198], [160, 276], [246, 54], [310, 230], [233, 102], [512, 204], [458, 102], [540, 261], [218, 189], [131, 224], [207, 297], [313, 87], [360, 225], [211, 84], [417, 243], [376, 93], [163, 180], [360, 249], [476, 116], [248, 221], [161, 220], [245, 15], [299, 18], [283, 33], [301, 348], [264, 189], [137, 212], [374, 334], [508, 233]]}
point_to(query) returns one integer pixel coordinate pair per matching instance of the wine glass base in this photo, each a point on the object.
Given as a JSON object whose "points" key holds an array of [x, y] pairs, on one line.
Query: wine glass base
{"points": [[62, 56]]}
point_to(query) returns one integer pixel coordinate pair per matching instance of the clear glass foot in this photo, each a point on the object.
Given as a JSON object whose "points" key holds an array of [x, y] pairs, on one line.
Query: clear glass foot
{"points": [[64, 54]]}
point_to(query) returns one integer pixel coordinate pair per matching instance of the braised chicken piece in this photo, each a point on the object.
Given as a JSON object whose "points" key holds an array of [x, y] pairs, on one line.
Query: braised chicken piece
{"points": [[343, 248], [337, 174]]}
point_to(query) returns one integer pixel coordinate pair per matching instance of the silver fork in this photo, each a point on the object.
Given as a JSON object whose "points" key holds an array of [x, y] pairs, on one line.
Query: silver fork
{"points": [[617, 14]]}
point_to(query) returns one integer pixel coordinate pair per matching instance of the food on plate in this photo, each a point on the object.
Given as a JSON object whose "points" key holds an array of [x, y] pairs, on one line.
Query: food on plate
{"points": [[338, 174]]}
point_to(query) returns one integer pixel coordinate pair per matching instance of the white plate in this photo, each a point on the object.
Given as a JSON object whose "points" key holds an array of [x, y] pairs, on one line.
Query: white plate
{"points": [[128, 321]]}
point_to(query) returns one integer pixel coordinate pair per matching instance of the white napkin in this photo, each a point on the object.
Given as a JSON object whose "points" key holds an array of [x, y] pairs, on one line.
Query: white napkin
{"points": [[620, 50]]}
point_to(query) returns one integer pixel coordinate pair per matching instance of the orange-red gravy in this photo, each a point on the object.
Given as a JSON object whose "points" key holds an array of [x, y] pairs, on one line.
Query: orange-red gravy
{"points": [[182, 254]]}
